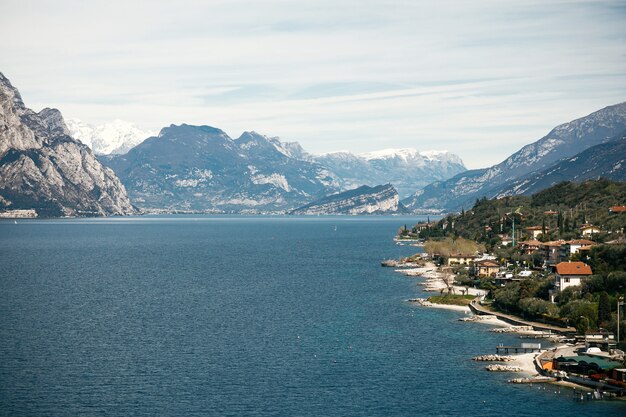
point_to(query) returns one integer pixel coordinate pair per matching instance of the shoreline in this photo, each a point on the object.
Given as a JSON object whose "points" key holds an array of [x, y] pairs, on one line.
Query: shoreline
{"points": [[526, 369]]}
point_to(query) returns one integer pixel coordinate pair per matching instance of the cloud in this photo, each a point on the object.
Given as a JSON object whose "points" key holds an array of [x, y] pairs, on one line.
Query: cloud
{"points": [[360, 75]]}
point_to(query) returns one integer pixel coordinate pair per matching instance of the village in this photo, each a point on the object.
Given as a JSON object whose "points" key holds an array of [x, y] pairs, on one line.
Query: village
{"points": [[567, 291]]}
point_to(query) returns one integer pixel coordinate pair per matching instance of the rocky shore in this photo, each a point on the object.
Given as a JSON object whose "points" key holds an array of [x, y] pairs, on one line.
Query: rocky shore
{"points": [[503, 368], [493, 358]]}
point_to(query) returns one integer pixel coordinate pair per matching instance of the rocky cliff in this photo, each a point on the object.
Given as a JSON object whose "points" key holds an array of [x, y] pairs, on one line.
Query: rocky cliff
{"points": [[43, 168]]}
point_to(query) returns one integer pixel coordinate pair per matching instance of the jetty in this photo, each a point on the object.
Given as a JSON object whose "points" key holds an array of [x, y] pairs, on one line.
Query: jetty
{"points": [[524, 347]]}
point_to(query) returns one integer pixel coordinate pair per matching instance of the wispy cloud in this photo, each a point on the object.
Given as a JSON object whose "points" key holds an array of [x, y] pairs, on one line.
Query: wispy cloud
{"points": [[479, 78]]}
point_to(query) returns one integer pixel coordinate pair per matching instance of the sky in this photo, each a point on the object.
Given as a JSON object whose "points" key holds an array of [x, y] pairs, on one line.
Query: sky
{"points": [[478, 78]]}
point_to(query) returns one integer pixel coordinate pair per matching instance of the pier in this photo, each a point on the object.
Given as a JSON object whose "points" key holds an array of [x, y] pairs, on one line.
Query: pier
{"points": [[542, 335], [525, 347]]}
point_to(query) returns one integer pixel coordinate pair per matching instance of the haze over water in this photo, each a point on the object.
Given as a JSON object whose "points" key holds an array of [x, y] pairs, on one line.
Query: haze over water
{"points": [[247, 316]]}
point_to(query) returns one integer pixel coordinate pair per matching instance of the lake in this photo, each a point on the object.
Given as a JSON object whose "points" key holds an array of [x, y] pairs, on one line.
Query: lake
{"points": [[217, 315]]}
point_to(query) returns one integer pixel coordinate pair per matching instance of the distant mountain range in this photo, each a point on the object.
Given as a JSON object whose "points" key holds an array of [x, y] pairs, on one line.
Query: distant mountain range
{"points": [[564, 141], [116, 137], [201, 168], [43, 168], [382, 199], [406, 169]]}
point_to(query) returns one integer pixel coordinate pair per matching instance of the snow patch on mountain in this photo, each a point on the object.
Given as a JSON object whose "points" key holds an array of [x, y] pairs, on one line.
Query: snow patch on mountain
{"points": [[116, 137], [277, 180]]}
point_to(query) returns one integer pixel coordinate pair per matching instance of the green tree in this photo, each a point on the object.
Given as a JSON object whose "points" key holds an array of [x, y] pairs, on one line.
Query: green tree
{"points": [[604, 308], [582, 313]]}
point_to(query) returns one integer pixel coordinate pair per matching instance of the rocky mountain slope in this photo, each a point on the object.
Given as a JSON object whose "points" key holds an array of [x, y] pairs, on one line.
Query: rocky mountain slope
{"points": [[406, 169], [116, 137], [382, 199], [43, 168], [564, 141], [607, 160], [201, 168]]}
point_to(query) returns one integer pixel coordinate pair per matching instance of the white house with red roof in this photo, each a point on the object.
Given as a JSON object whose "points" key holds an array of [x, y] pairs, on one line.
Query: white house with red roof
{"points": [[589, 229], [569, 274]]}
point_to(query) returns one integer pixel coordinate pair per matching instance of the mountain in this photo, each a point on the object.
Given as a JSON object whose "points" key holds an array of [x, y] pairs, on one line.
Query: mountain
{"points": [[406, 169], [43, 168], [607, 160], [564, 141], [201, 168], [382, 199], [117, 137]]}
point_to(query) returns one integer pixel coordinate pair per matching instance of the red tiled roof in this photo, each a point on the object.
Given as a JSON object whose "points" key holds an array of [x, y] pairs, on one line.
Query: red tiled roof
{"points": [[554, 243], [617, 209], [580, 242], [486, 263], [573, 268], [530, 243]]}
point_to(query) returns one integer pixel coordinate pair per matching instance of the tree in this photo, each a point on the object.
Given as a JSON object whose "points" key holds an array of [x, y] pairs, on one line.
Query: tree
{"points": [[582, 313], [604, 308]]}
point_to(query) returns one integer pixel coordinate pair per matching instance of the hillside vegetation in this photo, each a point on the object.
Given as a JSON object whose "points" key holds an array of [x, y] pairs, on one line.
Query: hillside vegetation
{"points": [[561, 210]]}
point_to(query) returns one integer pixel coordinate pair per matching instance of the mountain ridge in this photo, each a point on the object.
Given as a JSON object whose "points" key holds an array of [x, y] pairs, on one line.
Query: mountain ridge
{"points": [[381, 199], [565, 140]]}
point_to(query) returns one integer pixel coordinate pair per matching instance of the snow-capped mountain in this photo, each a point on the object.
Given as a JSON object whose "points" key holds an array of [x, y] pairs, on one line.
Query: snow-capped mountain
{"points": [[116, 137], [382, 199], [43, 168], [564, 141], [407, 169], [201, 168]]}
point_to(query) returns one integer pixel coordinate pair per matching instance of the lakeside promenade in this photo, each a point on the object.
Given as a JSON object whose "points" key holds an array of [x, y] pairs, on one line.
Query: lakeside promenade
{"points": [[479, 309]]}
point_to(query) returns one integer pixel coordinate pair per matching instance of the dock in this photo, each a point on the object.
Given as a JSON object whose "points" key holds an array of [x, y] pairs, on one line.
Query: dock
{"points": [[525, 347], [542, 335]]}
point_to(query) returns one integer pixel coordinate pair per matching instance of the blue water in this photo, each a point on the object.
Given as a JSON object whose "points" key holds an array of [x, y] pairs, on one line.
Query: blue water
{"points": [[237, 316]]}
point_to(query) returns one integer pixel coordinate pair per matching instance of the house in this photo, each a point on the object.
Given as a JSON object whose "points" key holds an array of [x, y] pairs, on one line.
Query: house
{"points": [[423, 226], [569, 274], [602, 339], [589, 229], [617, 209], [571, 247], [486, 268], [460, 259], [529, 246], [534, 231], [506, 240], [552, 251]]}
